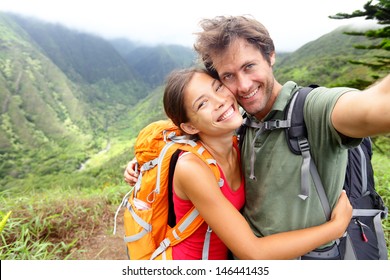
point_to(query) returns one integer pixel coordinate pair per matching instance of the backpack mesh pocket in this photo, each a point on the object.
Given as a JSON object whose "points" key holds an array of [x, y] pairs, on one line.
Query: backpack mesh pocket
{"points": [[138, 232]]}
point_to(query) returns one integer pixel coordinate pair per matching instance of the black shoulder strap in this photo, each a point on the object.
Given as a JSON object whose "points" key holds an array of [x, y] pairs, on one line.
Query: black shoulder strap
{"points": [[294, 113], [172, 165]]}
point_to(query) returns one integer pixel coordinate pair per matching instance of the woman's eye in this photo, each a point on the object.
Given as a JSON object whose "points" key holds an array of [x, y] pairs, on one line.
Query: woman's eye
{"points": [[201, 104]]}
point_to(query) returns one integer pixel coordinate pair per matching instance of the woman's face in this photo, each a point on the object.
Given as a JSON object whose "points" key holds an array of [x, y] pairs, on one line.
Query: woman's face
{"points": [[211, 107]]}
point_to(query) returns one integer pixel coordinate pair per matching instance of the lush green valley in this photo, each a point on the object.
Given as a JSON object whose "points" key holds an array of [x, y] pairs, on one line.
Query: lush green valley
{"points": [[63, 95], [71, 106]]}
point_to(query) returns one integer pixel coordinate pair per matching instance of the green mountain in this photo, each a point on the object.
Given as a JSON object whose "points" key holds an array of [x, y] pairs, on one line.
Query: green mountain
{"points": [[42, 111], [63, 96], [326, 61], [162, 58], [87, 60]]}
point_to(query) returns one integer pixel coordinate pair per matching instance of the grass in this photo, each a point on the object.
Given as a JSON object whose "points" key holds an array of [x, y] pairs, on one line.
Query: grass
{"points": [[4, 218], [51, 225], [381, 165]]}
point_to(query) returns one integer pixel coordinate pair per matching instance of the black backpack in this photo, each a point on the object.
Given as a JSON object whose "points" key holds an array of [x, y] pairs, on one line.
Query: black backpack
{"points": [[364, 238]]}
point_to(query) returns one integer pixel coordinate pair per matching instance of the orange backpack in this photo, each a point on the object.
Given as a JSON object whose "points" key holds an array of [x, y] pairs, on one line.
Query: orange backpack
{"points": [[147, 233]]}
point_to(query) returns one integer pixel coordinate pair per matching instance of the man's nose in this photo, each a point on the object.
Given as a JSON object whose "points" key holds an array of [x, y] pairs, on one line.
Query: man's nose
{"points": [[243, 83]]}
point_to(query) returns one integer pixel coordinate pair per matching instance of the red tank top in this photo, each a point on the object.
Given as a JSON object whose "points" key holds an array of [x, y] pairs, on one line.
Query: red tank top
{"points": [[191, 248]]}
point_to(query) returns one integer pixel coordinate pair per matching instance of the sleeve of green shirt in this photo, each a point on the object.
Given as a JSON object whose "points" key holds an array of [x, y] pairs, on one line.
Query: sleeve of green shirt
{"points": [[328, 148]]}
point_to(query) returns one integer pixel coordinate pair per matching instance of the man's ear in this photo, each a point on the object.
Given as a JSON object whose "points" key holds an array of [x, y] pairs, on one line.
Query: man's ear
{"points": [[189, 128], [272, 58]]}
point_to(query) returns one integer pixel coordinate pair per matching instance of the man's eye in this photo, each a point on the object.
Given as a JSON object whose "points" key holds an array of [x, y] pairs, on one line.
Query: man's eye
{"points": [[249, 66], [228, 78]]}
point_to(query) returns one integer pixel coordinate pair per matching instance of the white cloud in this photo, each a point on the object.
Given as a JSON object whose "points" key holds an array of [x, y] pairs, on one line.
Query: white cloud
{"points": [[291, 23]]}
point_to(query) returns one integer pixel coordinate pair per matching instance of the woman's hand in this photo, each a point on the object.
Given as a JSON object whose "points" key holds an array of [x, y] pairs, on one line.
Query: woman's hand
{"points": [[342, 213], [130, 174]]}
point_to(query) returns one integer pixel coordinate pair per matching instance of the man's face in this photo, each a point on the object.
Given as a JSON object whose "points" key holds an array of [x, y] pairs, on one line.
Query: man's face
{"points": [[248, 75]]}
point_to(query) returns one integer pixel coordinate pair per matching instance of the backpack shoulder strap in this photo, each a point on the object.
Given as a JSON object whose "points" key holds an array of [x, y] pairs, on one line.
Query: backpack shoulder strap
{"points": [[294, 113], [187, 225], [172, 165], [191, 221], [298, 143]]}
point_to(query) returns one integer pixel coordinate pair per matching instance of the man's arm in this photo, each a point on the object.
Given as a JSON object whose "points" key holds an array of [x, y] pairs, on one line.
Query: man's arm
{"points": [[364, 113]]}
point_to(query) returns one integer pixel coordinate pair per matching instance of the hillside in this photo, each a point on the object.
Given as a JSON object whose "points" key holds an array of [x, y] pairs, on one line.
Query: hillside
{"points": [[63, 93], [326, 60], [164, 59], [42, 111]]}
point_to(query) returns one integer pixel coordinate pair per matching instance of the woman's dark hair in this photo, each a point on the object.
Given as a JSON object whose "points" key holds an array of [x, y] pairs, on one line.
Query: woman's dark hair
{"points": [[174, 92]]}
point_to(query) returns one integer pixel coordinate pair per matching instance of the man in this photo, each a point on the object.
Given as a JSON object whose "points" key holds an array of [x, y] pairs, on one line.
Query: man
{"points": [[241, 53]]}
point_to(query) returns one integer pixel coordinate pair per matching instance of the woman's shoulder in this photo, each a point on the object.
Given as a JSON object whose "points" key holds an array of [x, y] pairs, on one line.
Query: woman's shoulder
{"points": [[190, 166], [193, 175], [189, 161]]}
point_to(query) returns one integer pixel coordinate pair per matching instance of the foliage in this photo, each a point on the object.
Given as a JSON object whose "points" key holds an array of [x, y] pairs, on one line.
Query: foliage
{"points": [[380, 12]]}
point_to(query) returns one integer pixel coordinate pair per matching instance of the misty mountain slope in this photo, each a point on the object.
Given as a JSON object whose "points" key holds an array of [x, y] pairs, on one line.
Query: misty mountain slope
{"points": [[63, 95], [35, 88], [87, 59], [153, 63], [325, 61], [77, 53], [42, 113]]}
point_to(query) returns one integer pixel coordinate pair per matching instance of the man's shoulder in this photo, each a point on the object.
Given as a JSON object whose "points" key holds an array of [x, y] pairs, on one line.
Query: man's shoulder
{"points": [[323, 94], [284, 96], [331, 90]]}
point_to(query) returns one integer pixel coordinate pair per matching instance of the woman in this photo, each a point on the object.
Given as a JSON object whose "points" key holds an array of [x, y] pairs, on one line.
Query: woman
{"points": [[202, 107]]}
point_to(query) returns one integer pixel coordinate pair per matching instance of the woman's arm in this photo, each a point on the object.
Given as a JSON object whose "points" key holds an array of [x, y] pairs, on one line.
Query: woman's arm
{"points": [[234, 231]]}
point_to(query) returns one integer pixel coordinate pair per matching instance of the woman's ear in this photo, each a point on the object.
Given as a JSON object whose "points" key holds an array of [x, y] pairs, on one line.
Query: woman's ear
{"points": [[189, 128]]}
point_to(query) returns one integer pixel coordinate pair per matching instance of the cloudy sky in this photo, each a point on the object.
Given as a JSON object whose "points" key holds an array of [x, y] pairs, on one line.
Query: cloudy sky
{"points": [[292, 23]]}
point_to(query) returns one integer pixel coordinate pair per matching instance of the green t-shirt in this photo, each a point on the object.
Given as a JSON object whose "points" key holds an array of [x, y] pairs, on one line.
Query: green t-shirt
{"points": [[272, 202]]}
